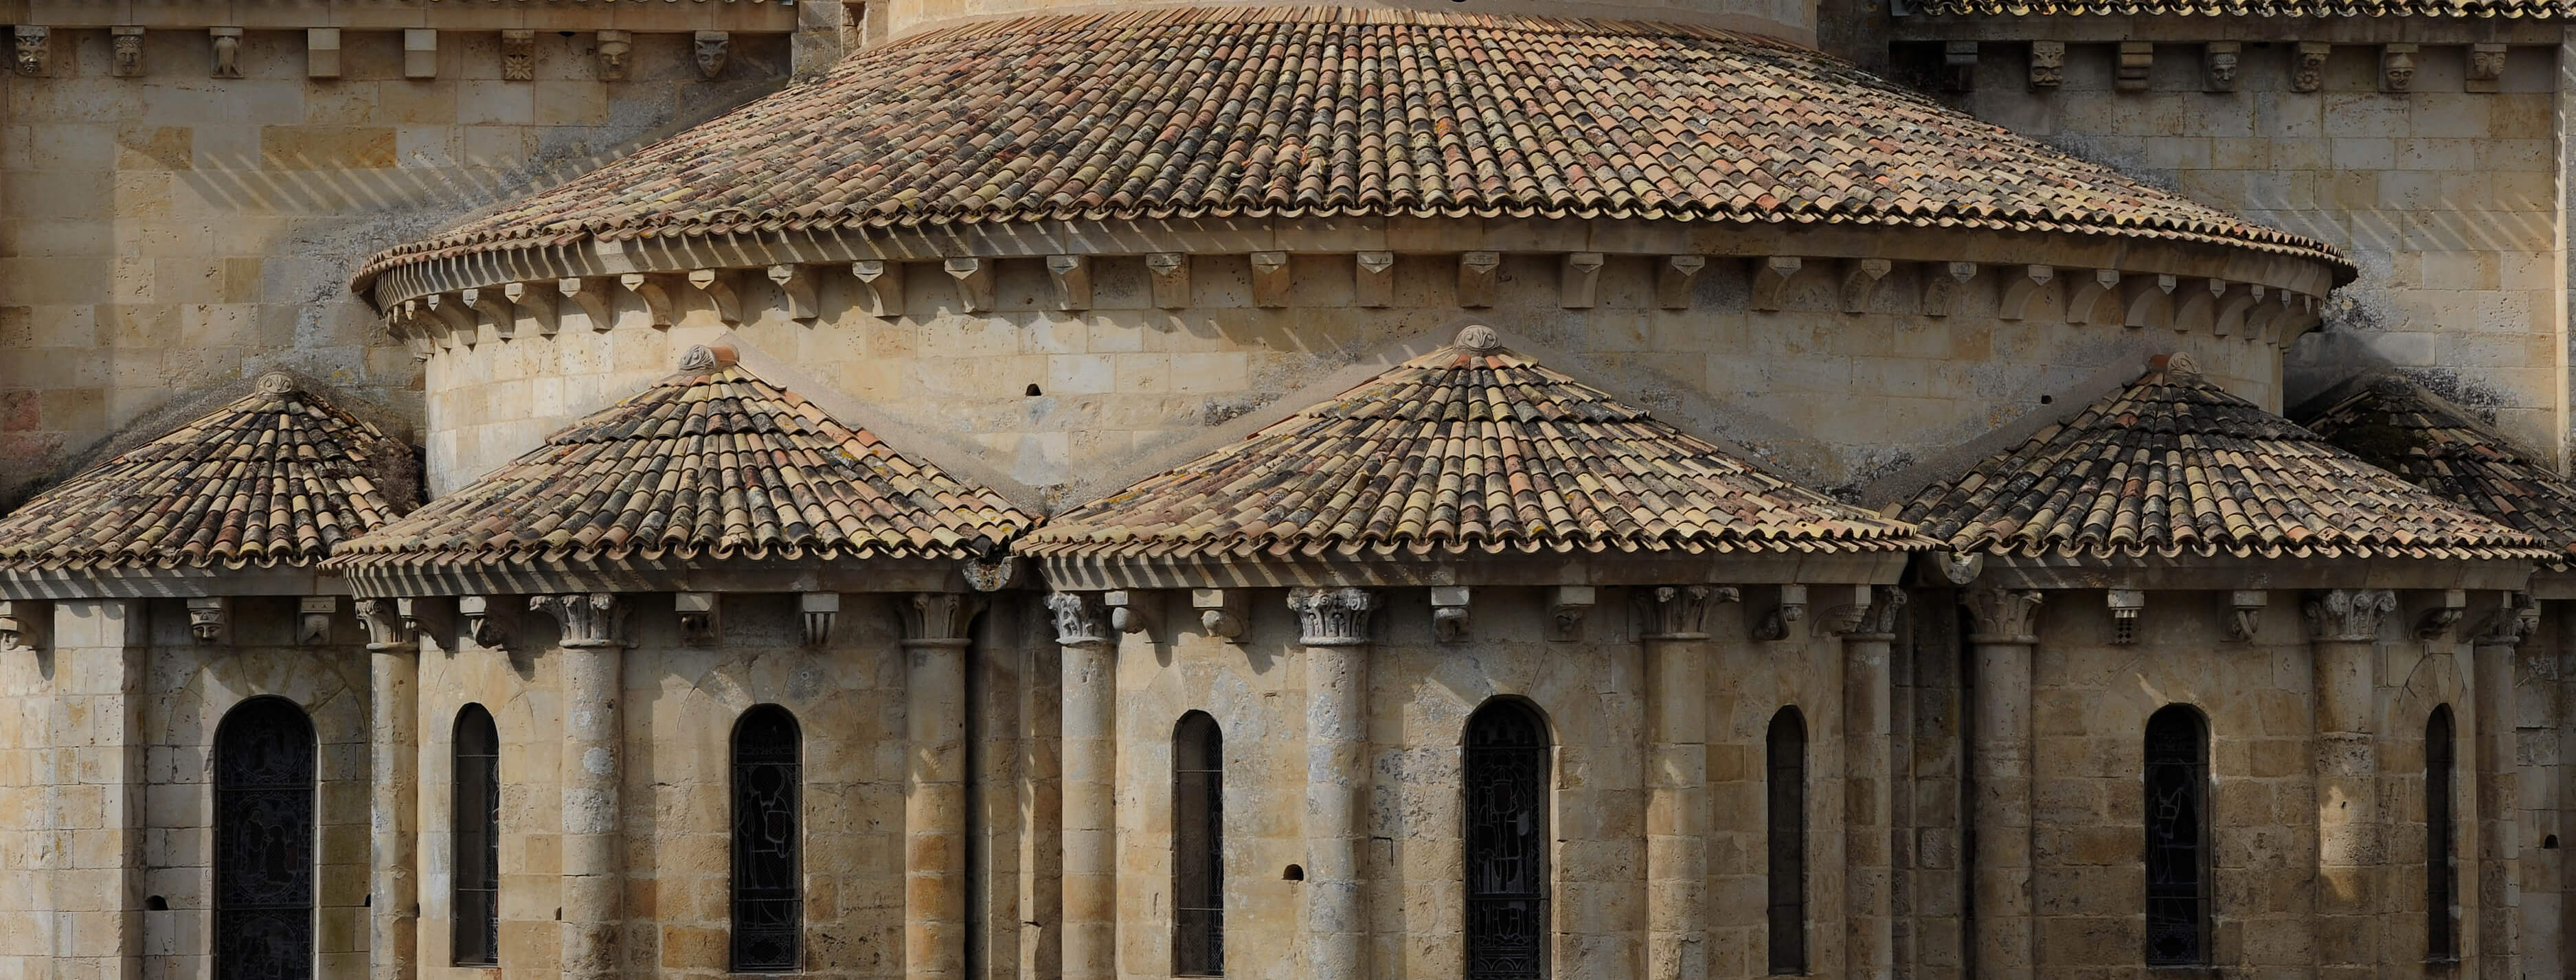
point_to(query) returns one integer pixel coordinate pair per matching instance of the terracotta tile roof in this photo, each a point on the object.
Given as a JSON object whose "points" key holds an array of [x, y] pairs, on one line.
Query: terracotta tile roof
{"points": [[1324, 111], [2399, 426], [709, 462], [277, 477], [2242, 8], [1470, 448], [2174, 465]]}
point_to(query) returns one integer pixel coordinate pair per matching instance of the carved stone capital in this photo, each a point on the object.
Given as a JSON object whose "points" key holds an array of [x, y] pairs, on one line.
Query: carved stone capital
{"points": [[210, 618], [1877, 620], [1332, 617], [938, 618], [22, 624], [389, 624], [2513, 620], [1678, 612], [2347, 615], [1080, 620], [2002, 615], [587, 619]]}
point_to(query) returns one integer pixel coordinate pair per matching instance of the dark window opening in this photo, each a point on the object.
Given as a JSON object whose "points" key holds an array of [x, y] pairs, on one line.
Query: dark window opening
{"points": [[1787, 785], [1507, 841], [476, 932], [768, 894], [2441, 864], [1198, 847], [2177, 809], [264, 842], [1298, 872]]}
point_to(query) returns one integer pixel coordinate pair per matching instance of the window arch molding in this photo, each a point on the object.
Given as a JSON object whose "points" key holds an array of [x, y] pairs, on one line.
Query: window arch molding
{"points": [[264, 779], [1198, 846], [475, 834], [2175, 783], [768, 876], [1509, 782]]}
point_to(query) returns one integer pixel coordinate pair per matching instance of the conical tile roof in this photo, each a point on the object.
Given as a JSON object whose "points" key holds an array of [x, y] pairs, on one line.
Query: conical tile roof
{"points": [[1249, 112], [2174, 465], [2287, 9], [277, 477], [709, 462], [2405, 429], [1468, 449]]}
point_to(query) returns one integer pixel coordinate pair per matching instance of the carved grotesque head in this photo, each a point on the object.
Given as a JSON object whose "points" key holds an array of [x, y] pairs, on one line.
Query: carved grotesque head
{"points": [[2486, 64], [2222, 70], [2397, 71], [31, 51], [612, 56], [2047, 64], [711, 55], [129, 54]]}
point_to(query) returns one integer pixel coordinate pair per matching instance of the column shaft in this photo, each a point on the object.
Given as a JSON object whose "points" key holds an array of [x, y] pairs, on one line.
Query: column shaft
{"points": [[1336, 793], [393, 755], [2343, 628], [594, 881], [2499, 875], [1677, 807], [2000, 750], [1090, 808], [934, 809], [1869, 947]]}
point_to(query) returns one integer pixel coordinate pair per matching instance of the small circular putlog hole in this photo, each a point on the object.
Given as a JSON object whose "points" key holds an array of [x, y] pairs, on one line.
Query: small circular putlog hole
{"points": [[156, 903], [1297, 873], [2048, 399], [2549, 843], [1033, 391]]}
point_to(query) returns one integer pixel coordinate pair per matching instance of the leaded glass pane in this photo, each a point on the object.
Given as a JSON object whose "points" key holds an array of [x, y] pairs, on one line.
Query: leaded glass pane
{"points": [[1787, 783], [477, 925], [1507, 842], [767, 881], [264, 843], [2177, 780]]}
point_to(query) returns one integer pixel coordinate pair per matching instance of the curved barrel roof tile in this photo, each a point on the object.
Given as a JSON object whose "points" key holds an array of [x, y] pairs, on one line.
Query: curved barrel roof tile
{"points": [[1252, 112], [2401, 427], [2247, 8]]}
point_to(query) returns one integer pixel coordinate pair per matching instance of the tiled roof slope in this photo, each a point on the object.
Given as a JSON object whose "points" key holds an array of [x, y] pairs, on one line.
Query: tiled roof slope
{"points": [[2174, 465], [709, 462], [1249, 112], [2244, 8], [1470, 448], [2399, 426], [277, 477]]}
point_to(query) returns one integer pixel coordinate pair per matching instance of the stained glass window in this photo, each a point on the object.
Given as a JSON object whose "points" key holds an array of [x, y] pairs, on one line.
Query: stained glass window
{"points": [[264, 842], [2441, 870], [476, 929], [1198, 847], [1507, 843], [1787, 770], [768, 906], [2177, 808]]}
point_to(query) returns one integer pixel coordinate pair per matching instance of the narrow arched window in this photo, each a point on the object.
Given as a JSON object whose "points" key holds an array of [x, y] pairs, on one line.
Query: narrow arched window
{"points": [[768, 883], [476, 827], [2441, 870], [1787, 782], [1198, 847], [264, 842], [1507, 841], [2177, 819]]}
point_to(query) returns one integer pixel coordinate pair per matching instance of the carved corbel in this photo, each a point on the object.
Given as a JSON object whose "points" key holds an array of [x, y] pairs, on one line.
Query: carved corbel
{"points": [[989, 573], [125, 54], [2125, 605], [1578, 279], [518, 55], [1332, 617], [227, 43], [2002, 615], [1270, 279], [880, 287], [793, 283], [655, 296], [2150, 301], [535, 303], [1449, 612], [1079, 620], [2084, 306], [2047, 65], [1222, 612], [313, 619], [389, 624], [1771, 277], [1789, 611], [938, 618], [718, 285], [210, 618], [614, 48], [2445, 613], [1839, 618], [1886, 603], [420, 52], [1476, 275], [1860, 282], [1959, 65], [1170, 272], [598, 304], [2514, 620], [2137, 61], [1673, 278], [33, 47], [1942, 282], [819, 610], [1678, 612], [477, 623], [2308, 66], [1130, 611], [2396, 68], [710, 53], [456, 316], [1567, 605], [2347, 615], [1951, 568], [495, 309], [587, 619], [2245, 613], [2485, 70], [2198, 309], [322, 52], [1071, 275], [2260, 308], [2218, 63], [697, 612], [22, 624], [2020, 289], [974, 283], [1373, 279]]}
